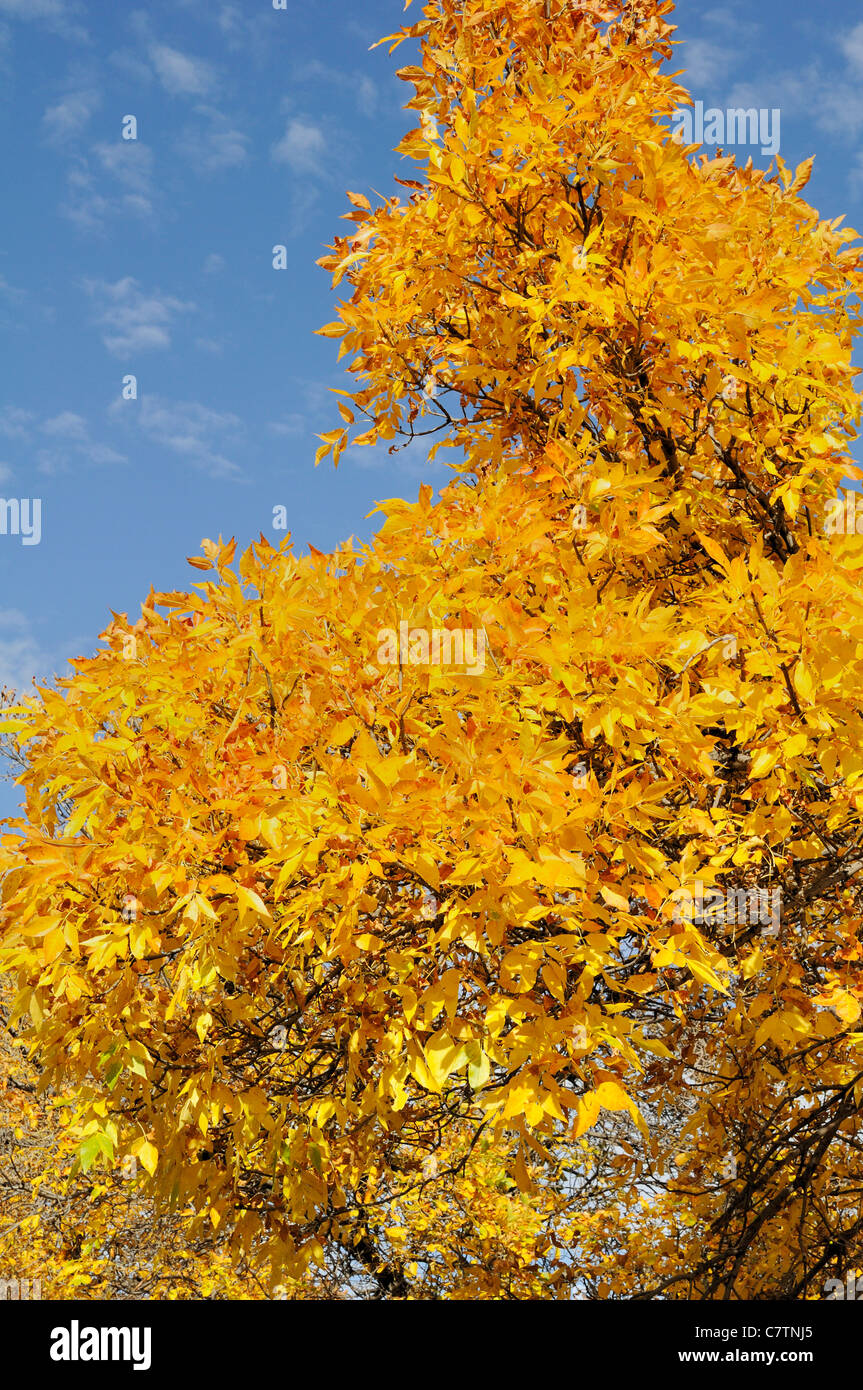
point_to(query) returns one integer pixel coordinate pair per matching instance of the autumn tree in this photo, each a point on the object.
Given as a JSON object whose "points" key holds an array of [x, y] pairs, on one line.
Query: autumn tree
{"points": [[373, 956]]}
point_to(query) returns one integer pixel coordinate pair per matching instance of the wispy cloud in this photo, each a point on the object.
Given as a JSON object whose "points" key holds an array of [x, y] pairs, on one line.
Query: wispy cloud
{"points": [[21, 657], [852, 46], [831, 99], [69, 117], [59, 15], [11, 292], [229, 19], [855, 176], [705, 63], [84, 204], [56, 442], [90, 203], [132, 66], [36, 9], [367, 97], [15, 423], [364, 89], [241, 26], [214, 264], [711, 58], [190, 430], [289, 426], [733, 20], [180, 74], [130, 161], [825, 92], [71, 438], [409, 457], [67, 425], [214, 143], [133, 321], [303, 147]]}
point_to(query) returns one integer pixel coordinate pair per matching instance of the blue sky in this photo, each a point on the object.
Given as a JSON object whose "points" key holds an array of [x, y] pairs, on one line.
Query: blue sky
{"points": [[154, 257]]}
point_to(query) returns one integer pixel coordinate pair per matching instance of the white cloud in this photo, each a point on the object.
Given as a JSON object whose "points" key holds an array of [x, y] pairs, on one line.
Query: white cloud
{"points": [[129, 163], [316, 72], [409, 457], [11, 292], [72, 435], [132, 67], [35, 9], [214, 263], [855, 177], [241, 27], [852, 46], [705, 64], [190, 430], [60, 460], [57, 14], [70, 117], [23, 658], [223, 149], [367, 96], [14, 618], [179, 74], [830, 95], [733, 22], [69, 436], [67, 425], [133, 321], [229, 19], [290, 425], [15, 423], [85, 206], [317, 395], [5, 472], [302, 147], [214, 144], [305, 199], [833, 100], [20, 655], [366, 35], [101, 453]]}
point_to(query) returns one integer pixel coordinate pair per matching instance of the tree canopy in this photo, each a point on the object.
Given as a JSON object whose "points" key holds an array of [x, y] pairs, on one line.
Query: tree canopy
{"points": [[398, 967]]}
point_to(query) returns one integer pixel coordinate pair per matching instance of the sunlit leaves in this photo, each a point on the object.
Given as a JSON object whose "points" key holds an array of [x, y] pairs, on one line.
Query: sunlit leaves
{"points": [[527, 946]]}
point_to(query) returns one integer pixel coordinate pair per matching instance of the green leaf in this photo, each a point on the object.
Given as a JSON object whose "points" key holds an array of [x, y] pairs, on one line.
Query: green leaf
{"points": [[92, 1147], [112, 1075]]}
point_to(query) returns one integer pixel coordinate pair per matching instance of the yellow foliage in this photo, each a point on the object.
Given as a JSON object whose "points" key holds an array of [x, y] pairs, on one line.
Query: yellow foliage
{"points": [[359, 950]]}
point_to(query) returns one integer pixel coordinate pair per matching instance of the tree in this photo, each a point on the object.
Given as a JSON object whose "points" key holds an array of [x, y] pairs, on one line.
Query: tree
{"points": [[555, 946], [69, 1232]]}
